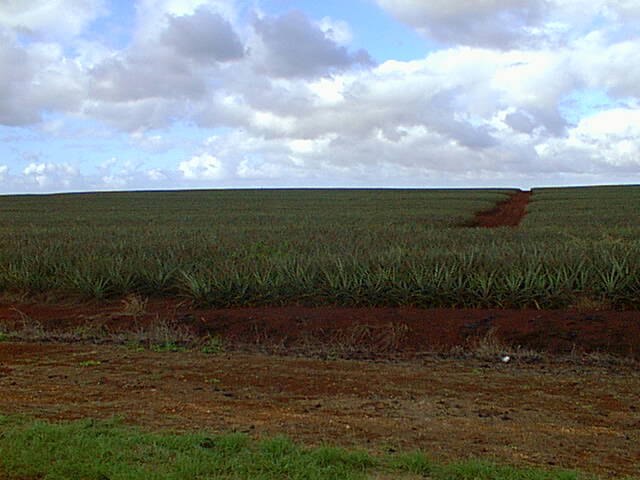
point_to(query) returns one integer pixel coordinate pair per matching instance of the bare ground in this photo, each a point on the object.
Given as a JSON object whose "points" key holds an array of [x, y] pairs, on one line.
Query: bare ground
{"points": [[393, 379], [508, 213]]}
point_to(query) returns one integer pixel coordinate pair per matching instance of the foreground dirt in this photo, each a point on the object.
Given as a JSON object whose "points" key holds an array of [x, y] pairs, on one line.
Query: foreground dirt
{"points": [[391, 378], [545, 414]]}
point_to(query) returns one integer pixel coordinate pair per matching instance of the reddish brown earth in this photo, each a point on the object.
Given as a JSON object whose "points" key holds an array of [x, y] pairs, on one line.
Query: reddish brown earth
{"points": [[508, 213], [547, 415], [355, 332], [385, 378]]}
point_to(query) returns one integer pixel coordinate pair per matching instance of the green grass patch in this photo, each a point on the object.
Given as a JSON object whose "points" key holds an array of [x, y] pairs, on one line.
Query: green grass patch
{"points": [[92, 450], [90, 363], [213, 346], [168, 347]]}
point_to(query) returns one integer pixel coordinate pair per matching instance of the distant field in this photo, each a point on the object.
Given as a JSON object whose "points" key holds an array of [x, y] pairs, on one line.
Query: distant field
{"points": [[576, 247]]}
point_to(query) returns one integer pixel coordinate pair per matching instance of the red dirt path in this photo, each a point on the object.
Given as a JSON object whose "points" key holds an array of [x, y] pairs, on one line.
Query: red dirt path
{"points": [[508, 213]]}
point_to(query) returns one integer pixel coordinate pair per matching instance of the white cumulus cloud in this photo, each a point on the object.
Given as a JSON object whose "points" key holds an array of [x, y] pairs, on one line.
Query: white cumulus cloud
{"points": [[46, 175], [201, 167], [35, 78]]}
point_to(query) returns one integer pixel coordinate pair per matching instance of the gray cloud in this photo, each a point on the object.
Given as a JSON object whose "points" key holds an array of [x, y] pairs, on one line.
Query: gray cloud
{"points": [[440, 116], [35, 78], [204, 36], [501, 24], [472, 137], [157, 79], [520, 121], [551, 119], [243, 93], [295, 47], [16, 76], [137, 115], [143, 73]]}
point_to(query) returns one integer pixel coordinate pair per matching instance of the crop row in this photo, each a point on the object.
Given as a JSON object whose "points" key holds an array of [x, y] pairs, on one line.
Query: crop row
{"points": [[477, 277], [326, 247]]}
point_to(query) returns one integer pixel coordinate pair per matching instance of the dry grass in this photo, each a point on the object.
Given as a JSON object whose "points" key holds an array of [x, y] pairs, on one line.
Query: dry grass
{"points": [[490, 347], [134, 305], [591, 304], [360, 342]]}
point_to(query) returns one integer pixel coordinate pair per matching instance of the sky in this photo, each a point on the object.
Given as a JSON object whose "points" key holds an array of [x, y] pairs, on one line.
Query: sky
{"points": [[173, 94]]}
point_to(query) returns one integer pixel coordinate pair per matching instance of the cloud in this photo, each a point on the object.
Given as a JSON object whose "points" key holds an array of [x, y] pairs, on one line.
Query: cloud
{"points": [[617, 11], [460, 116], [612, 137], [116, 174], [293, 46], [509, 24], [136, 115], [153, 16], [454, 93], [47, 175], [521, 121], [205, 36], [493, 23], [294, 104], [603, 145], [154, 143], [16, 75], [167, 71], [42, 19], [608, 65], [143, 74], [337, 30], [174, 47], [201, 167], [35, 78]]}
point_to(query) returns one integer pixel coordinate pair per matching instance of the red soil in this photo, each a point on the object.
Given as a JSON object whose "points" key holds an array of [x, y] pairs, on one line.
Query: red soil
{"points": [[543, 410], [508, 213], [360, 331]]}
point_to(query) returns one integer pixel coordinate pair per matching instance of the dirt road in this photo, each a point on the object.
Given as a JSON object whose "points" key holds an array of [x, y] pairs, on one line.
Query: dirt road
{"points": [[508, 213]]}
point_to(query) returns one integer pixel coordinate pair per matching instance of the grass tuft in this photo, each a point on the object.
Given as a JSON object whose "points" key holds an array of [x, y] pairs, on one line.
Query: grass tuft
{"points": [[213, 346]]}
